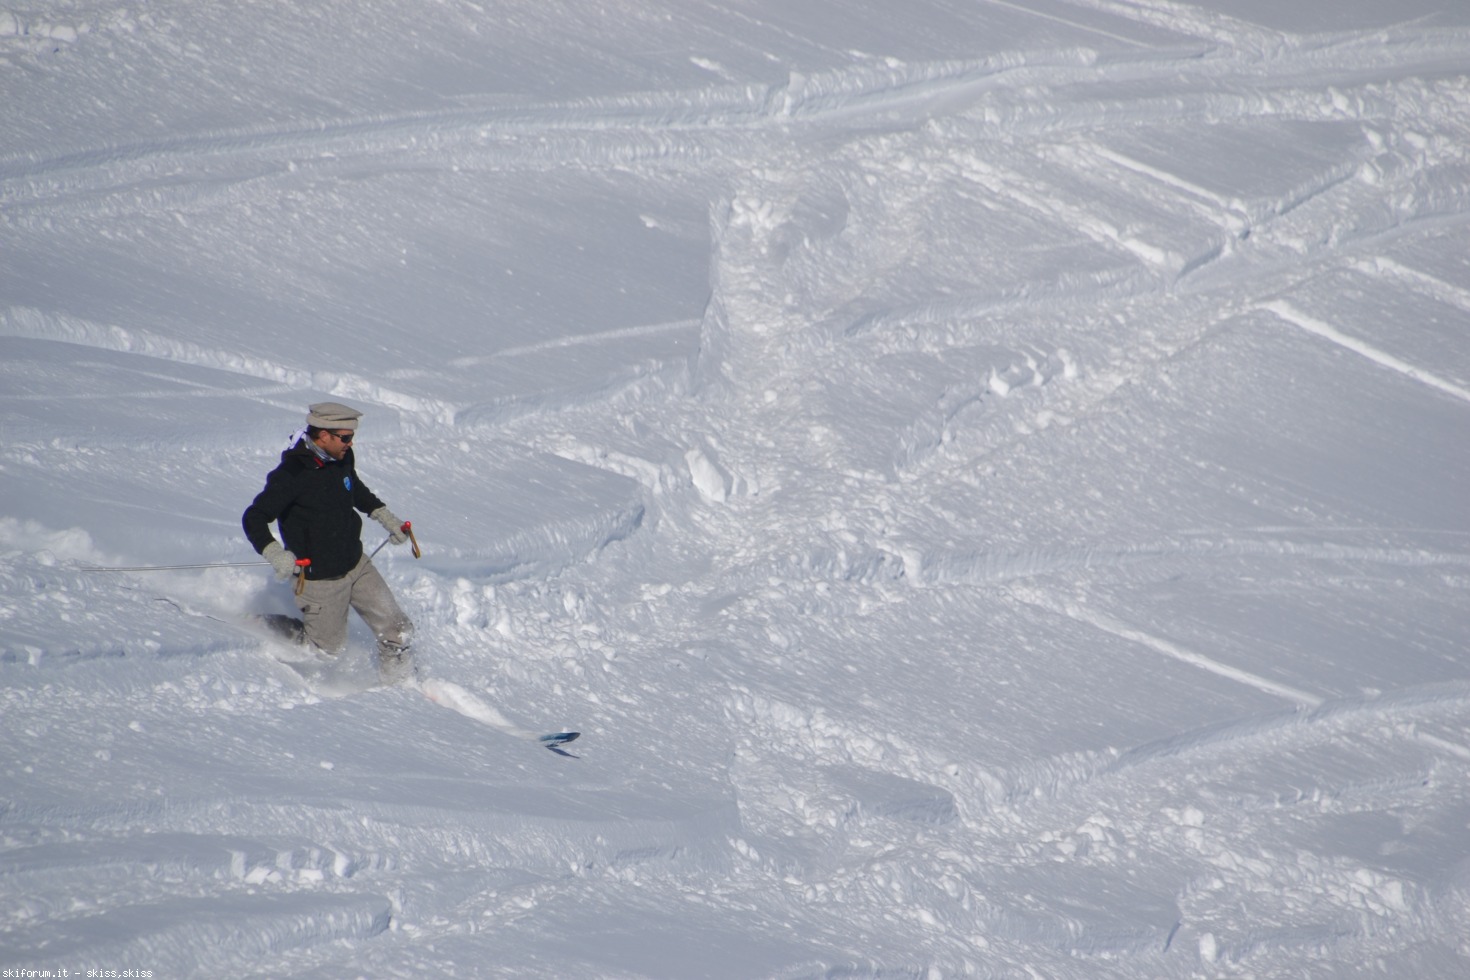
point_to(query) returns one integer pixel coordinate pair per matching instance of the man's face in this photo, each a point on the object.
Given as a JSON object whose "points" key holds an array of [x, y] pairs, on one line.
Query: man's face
{"points": [[335, 443]]}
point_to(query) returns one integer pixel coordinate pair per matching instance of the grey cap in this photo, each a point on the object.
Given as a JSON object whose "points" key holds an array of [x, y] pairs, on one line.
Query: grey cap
{"points": [[333, 415]]}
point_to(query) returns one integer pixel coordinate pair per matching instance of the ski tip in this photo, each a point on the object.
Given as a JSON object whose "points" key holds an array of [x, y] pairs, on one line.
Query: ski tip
{"points": [[559, 738]]}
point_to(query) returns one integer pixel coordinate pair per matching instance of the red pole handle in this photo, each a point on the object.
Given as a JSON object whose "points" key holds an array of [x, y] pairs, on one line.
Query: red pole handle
{"points": [[408, 530], [302, 564]]}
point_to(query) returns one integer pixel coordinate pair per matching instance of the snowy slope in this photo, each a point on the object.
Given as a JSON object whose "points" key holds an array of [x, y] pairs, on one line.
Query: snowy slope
{"points": [[989, 481]]}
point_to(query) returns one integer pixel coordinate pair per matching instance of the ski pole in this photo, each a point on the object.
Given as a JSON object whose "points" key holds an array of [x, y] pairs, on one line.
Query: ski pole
{"points": [[170, 568], [408, 530]]}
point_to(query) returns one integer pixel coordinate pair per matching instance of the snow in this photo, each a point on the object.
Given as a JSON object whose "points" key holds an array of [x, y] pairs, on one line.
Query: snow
{"points": [[988, 483]]}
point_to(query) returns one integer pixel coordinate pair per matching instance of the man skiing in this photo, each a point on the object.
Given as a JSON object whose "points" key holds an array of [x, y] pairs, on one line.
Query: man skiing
{"points": [[315, 495]]}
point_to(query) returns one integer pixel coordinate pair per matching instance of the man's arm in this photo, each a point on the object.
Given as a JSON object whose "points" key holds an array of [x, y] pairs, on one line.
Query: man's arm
{"points": [[367, 502], [362, 498], [266, 507]]}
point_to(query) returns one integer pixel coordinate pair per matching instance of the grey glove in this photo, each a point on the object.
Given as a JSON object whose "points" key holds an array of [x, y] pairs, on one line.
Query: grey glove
{"points": [[385, 517], [283, 561]]}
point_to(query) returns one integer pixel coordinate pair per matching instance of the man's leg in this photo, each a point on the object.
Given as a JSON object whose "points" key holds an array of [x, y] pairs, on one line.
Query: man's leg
{"points": [[374, 602], [323, 608]]}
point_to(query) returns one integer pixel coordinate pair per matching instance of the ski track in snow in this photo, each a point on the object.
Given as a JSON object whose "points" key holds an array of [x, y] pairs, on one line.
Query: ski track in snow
{"points": [[1312, 325], [1037, 547]]}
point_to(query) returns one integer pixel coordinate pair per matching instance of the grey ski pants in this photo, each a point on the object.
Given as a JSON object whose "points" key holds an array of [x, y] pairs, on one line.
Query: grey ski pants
{"points": [[324, 605]]}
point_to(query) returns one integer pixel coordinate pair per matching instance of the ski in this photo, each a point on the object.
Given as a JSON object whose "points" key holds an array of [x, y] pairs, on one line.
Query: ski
{"points": [[556, 740], [456, 698], [404, 675]]}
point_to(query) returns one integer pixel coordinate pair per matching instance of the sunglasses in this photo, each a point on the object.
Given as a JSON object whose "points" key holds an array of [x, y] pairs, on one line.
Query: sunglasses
{"points": [[344, 437]]}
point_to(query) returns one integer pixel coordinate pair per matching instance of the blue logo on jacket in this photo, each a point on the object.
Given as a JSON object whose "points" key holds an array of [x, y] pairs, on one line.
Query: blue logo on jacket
{"points": [[347, 482]]}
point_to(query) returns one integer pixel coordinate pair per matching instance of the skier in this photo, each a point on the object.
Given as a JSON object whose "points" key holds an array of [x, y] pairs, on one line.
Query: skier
{"points": [[315, 495]]}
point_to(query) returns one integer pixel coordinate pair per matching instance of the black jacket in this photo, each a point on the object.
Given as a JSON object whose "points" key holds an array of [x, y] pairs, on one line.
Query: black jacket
{"points": [[316, 502]]}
